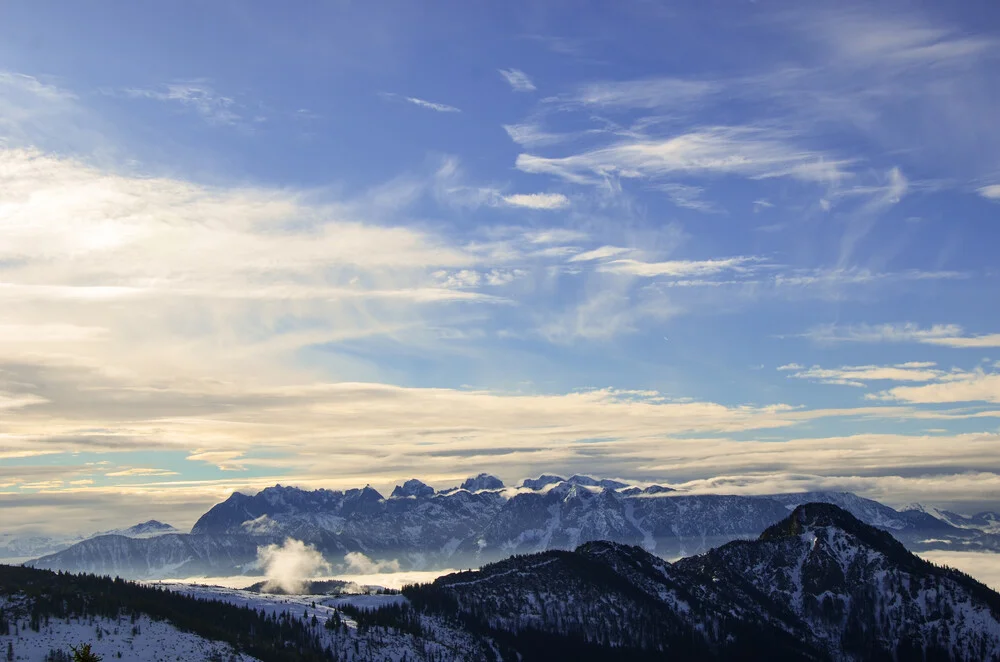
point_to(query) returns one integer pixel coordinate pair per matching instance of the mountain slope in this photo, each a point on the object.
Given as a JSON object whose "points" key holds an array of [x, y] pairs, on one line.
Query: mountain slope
{"points": [[859, 590], [820, 584]]}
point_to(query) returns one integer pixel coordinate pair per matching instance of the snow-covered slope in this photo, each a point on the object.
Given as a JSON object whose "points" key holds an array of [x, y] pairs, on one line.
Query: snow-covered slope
{"points": [[859, 591], [144, 640], [146, 529], [171, 555], [819, 584]]}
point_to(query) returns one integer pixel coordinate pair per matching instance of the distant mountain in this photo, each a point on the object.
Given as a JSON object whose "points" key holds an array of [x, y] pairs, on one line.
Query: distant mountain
{"points": [[987, 521], [170, 555], [818, 585], [141, 530], [13, 546], [480, 522], [482, 482]]}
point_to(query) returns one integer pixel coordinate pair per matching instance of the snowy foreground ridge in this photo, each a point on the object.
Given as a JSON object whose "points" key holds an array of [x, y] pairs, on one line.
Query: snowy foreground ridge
{"points": [[819, 584], [419, 528]]}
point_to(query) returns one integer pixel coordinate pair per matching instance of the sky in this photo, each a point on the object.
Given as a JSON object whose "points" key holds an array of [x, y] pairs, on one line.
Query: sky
{"points": [[737, 247]]}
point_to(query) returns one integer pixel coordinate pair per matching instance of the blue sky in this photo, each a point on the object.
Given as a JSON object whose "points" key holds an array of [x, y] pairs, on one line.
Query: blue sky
{"points": [[734, 247]]}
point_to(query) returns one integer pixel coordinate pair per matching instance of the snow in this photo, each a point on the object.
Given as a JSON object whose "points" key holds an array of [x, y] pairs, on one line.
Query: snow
{"points": [[156, 641]]}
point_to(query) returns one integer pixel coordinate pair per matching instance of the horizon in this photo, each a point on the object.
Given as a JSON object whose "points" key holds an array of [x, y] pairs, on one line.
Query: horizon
{"points": [[739, 248]]}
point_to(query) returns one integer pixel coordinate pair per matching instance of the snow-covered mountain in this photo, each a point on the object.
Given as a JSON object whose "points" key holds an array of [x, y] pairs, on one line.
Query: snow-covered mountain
{"points": [[142, 530], [820, 584], [986, 521], [13, 546], [481, 521], [859, 591]]}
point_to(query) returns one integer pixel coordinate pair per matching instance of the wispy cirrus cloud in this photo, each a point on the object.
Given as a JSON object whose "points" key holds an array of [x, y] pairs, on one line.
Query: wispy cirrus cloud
{"points": [[518, 80], [688, 197], [755, 153], [650, 93], [199, 96], [944, 335], [532, 135], [422, 103], [140, 471], [991, 192], [677, 268]]}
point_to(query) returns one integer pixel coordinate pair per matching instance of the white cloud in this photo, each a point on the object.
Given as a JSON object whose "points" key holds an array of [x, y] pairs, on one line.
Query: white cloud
{"points": [[902, 41], [518, 80], [430, 105], [537, 200], [860, 375], [532, 135], [555, 236], [599, 253], [991, 192], [677, 268], [945, 335], [648, 93], [976, 386], [750, 152], [200, 97], [140, 471], [688, 197]]}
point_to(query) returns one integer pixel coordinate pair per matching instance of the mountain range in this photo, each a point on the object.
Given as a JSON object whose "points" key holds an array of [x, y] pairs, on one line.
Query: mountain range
{"points": [[482, 521], [818, 584]]}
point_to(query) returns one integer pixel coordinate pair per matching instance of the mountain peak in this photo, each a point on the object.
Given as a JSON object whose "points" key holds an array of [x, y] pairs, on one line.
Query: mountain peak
{"points": [[811, 516], [542, 481], [483, 481], [412, 488], [588, 481]]}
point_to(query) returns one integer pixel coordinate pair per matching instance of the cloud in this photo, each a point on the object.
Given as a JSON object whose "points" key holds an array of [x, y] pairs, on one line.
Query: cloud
{"points": [[945, 335], [864, 39], [860, 375], [198, 96], [750, 152], [981, 565], [991, 192], [429, 105], [359, 564], [677, 268], [291, 565], [976, 386], [531, 135], [537, 200], [688, 197], [518, 80], [141, 471], [644, 94], [600, 253]]}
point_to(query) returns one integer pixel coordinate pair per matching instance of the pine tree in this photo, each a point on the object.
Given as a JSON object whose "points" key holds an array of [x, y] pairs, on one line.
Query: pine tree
{"points": [[84, 654]]}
